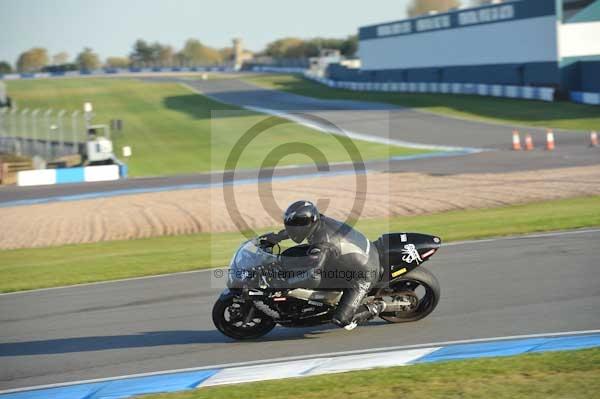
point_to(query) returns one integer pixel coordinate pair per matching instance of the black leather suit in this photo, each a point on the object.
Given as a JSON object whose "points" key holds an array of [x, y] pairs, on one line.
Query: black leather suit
{"points": [[340, 257]]}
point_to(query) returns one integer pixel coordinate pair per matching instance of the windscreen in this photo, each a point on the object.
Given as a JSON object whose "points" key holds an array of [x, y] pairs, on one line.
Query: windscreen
{"points": [[250, 255]]}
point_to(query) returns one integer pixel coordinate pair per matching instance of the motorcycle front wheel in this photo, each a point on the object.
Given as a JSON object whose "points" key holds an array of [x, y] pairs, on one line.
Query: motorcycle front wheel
{"points": [[233, 320], [419, 289]]}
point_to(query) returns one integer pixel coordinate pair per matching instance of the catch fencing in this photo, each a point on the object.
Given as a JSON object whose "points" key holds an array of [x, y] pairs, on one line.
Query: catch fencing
{"points": [[45, 133]]}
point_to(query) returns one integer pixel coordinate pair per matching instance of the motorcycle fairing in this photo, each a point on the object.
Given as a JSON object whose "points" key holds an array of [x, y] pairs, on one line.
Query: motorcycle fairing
{"points": [[399, 253]]}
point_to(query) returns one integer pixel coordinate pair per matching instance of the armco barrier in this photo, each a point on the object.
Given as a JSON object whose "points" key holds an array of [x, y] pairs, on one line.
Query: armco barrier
{"points": [[126, 71], [275, 69], [110, 71], [585, 98], [526, 92], [71, 175], [180, 380]]}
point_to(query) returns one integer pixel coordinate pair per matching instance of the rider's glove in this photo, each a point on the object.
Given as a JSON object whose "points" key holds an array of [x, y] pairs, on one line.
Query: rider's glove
{"points": [[269, 239], [272, 239]]}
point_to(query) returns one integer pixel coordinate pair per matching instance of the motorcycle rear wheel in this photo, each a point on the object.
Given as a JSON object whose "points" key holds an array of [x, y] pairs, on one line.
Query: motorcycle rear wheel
{"points": [[227, 320], [420, 287]]}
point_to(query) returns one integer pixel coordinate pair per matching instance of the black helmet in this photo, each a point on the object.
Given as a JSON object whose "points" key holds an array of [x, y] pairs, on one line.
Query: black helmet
{"points": [[300, 220]]}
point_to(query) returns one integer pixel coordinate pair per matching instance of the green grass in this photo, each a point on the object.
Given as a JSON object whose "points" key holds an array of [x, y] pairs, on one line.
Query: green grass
{"points": [[551, 375], [26, 269], [565, 115], [173, 130]]}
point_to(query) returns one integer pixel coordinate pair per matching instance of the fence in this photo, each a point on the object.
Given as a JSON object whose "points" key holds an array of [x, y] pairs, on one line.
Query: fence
{"points": [[46, 133]]}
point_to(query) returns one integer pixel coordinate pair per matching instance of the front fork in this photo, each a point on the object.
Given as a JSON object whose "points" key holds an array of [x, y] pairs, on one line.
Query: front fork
{"points": [[249, 311], [244, 298]]}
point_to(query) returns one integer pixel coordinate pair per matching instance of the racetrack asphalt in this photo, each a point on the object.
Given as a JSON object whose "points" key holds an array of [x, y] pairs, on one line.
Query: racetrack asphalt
{"points": [[380, 120], [502, 287]]}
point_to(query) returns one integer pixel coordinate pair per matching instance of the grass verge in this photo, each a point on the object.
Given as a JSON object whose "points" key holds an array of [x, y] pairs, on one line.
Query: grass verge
{"points": [[175, 131], [542, 375], [26, 269], [565, 115]]}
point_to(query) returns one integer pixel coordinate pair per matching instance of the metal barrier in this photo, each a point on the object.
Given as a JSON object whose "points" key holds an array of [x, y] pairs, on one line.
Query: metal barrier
{"points": [[524, 92], [46, 133]]}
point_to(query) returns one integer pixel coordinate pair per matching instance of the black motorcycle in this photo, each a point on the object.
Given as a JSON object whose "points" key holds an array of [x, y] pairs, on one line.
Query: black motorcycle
{"points": [[252, 305]]}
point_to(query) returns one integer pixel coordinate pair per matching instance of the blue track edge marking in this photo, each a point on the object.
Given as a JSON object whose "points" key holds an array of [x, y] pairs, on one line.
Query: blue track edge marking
{"points": [[122, 388], [511, 348], [130, 191]]}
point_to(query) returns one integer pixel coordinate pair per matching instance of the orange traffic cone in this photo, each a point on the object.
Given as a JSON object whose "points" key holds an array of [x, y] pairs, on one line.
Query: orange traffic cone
{"points": [[516, 141], [550, 140], [528, 142], [593, 139]]}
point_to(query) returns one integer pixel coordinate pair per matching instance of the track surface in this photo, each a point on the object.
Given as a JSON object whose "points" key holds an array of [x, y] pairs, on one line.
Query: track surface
{"points": [[363, 117], [527, 285]]}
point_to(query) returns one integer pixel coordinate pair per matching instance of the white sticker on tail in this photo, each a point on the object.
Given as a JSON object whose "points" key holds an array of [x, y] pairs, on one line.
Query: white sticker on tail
{"points": [[411, 254]]}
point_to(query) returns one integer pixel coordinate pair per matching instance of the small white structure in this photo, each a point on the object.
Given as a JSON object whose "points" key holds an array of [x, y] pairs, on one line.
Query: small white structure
{"points": [[99, 149], [318, 65]]}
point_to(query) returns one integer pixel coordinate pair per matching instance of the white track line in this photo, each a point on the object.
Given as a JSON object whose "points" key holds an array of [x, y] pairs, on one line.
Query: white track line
{"points": [[294, 116], [297, 118], [305, 357], [456, 243]]}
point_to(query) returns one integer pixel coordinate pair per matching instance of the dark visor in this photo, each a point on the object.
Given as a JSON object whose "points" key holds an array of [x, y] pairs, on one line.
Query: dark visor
{"points": [[298, 221]]}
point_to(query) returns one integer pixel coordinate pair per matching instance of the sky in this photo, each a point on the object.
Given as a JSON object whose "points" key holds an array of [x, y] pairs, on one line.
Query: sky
{"points": [[110, 27]]}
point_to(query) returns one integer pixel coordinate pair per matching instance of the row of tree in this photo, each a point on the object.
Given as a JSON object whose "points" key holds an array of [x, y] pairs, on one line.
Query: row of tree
{"points": [[192, 53], [143, 54], [37, 58], [292, 47]]}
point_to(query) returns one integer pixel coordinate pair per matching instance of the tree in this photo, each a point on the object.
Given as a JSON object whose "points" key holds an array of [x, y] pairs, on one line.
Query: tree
{"points": [[5, 67], [117, 62], [60, 58], [284, 48], [350, 46], [419, 7], [226, 53], [32, 60], [195, 53], [142, 53], [155, 54], [164, 54], [88, 60], [297, 48]]}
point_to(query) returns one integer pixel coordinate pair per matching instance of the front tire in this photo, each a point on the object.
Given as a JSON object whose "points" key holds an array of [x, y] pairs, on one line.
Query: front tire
{"points": [[420, 288], [228, 317]]}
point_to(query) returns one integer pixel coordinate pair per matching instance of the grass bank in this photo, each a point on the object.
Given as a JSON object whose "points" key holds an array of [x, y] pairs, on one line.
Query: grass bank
{"points": [[550, 375], [26, 269], [175, 131], [564, 115]]}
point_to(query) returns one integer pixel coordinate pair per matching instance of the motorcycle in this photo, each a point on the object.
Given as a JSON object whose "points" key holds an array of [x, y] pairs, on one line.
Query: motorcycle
{"points": [[252, 305]]}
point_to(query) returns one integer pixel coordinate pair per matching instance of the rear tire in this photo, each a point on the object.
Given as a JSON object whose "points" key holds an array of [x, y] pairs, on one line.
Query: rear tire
{"points": [[223, 309], [406, 287]]}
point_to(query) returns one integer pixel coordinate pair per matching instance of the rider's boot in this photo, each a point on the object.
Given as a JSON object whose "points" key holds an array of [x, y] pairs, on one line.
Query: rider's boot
{"points": [[366, 313]]}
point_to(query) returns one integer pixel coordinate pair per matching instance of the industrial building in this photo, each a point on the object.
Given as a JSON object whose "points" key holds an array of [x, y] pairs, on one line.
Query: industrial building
{"points": [[524, 43]]}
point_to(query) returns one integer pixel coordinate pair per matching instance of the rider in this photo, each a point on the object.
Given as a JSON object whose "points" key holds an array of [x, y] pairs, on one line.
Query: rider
{"points": [[334, 246]]}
